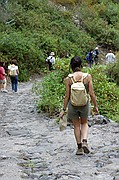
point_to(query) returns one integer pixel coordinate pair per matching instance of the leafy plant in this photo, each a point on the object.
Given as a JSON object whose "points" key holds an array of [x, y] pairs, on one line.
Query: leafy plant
{"points": [[107, 93], [51, 93], [113, 72], [32, 35]]}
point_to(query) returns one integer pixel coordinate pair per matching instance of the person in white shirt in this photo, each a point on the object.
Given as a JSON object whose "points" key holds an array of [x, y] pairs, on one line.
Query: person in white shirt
{"points": [[110, 57], [13, 73], [51, 60]]}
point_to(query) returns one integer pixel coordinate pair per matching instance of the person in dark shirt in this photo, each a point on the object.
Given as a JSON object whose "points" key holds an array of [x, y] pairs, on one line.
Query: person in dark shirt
{"points": [[89, 58], [95, 55]]}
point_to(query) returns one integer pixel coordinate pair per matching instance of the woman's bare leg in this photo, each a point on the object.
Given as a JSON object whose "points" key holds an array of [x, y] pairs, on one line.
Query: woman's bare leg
{"points": [[4, 86], [77, 132], [84, 128], [84, 134], [0, 87]]}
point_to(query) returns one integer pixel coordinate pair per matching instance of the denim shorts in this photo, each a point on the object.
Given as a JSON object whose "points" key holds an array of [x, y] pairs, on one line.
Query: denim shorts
{"points": [[80, 111]]}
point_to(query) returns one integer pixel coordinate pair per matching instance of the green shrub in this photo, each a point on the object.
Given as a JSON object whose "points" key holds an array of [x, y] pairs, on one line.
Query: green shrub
{"points": [[24, 75], [107, 93], [113, 72], [16, 44], [30, 29], [51, 93], [101, 21], [33, 35]]}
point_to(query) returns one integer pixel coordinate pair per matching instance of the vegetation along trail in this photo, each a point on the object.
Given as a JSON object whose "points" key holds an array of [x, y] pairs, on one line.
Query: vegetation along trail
{"points": [[33, 147]]}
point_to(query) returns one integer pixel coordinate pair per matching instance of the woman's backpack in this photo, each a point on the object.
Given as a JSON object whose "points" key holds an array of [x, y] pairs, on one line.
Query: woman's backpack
{"points": [[79, 96], [13, 71]]}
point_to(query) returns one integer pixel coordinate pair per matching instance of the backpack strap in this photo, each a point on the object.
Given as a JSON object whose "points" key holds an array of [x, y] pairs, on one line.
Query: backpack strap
{"points": [[85, 75], [71, 76]]}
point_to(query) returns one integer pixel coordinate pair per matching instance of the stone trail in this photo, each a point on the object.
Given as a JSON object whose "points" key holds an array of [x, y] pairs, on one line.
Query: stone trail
{"points": [[32, 147]]}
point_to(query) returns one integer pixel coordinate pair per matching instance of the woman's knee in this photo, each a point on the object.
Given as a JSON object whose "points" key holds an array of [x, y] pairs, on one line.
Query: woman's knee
{"points": [[84, 120], [76, 123]]}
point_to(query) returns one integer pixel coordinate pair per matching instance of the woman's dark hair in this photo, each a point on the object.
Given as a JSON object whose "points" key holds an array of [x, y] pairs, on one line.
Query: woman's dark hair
{"points": [[76, 64], [14, 61]]}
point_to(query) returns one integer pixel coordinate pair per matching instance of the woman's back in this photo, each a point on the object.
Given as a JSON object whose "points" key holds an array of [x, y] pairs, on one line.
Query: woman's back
{"points": [[81, 76]]}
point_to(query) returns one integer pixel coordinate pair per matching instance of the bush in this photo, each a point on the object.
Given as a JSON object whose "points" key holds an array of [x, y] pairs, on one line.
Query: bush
{"points": [[52, 30], [32, 35], [51, 93], [101, 22], [16, 44], [107, 93], [113, 72]]}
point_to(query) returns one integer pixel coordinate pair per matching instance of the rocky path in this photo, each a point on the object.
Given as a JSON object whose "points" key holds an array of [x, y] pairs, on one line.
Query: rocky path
{"points": [[32, 147]]}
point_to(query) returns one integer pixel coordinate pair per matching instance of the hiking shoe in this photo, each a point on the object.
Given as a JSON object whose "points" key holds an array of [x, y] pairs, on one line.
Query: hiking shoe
{"points": [[85, 147], [80, 151]]}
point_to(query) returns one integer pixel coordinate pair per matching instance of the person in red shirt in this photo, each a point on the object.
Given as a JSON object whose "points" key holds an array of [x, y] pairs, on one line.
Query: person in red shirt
{"points": [[2, 75]]}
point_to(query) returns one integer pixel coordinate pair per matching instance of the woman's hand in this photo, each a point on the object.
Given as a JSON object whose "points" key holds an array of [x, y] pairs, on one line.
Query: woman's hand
{"points": [[95, 109], [61, 114]]}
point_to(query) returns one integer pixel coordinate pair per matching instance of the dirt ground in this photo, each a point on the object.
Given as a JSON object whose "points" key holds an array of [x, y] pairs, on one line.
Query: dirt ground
{"points": [[33, 147]]}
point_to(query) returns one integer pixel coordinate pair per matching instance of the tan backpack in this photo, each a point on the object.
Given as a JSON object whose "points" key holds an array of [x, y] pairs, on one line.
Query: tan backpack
{"points": [[13, 71], [79, 96]]}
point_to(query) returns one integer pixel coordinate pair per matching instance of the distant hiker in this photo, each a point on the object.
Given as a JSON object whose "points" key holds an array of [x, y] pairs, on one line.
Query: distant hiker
{"points": [[51, 61], [79, 114], [95, 55], [5, 85], [13, 73], [2, 76], [4, 89], [110, 57], [89, 58]]}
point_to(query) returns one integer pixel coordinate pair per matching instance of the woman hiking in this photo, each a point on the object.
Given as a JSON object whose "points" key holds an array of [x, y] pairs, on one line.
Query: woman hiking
{"points": [[79, 114]]}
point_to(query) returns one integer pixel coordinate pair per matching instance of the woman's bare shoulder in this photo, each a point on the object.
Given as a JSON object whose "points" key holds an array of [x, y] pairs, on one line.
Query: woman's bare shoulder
{"points": [[68, 80], [89, 76]]}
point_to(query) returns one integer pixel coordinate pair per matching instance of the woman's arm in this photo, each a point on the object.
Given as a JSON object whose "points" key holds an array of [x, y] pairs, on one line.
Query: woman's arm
{"points": [[67, 93], [8, 72], [67, 96], [17, 71], [92, 94]]}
